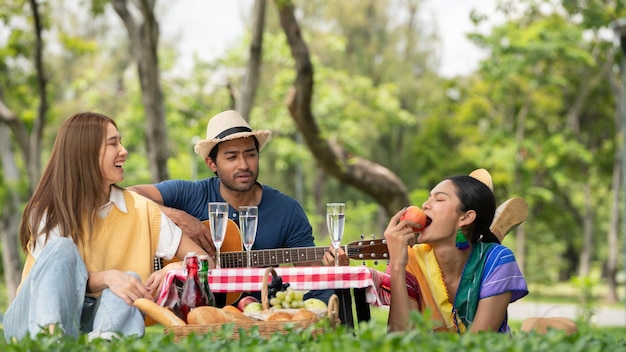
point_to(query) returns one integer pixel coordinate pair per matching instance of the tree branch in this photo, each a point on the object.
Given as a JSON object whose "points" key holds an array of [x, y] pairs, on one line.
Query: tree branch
{"points": [[369, 177]]}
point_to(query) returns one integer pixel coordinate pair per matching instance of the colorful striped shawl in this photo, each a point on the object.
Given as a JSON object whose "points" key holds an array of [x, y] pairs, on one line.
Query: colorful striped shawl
{"points": [[491, 270], [426, 286]]}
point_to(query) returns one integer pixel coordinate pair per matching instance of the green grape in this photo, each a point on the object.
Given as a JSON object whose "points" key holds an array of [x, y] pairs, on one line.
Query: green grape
{"points": [[298, 295], [280, 295], [286, 305], [274, 301]]}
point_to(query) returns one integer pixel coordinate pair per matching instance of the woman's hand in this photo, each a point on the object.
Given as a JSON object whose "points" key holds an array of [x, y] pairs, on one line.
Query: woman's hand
{"points": [[125, 286], [399, 235], [157, 278], [329, 257]]}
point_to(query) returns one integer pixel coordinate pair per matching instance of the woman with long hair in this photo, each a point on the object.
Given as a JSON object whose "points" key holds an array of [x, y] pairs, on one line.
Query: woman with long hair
{"points": [[90, 244], [456, 267]]}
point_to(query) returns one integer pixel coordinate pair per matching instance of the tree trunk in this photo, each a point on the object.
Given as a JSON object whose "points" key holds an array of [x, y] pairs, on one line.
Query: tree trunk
{"points": [[371, 178], [251, 79], [520, 134], [617, 188], [10, 217], [34, 150], [587, 247], [30, 143], [144, 41], [612, 241], [30, 146]]}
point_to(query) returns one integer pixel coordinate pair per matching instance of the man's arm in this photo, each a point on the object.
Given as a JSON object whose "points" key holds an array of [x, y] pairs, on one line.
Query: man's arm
{"points": [[191, 226], [148, 191]]}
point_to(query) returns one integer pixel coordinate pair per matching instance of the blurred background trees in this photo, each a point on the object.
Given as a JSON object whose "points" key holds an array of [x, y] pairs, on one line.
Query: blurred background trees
{"points": [[540, 112]]}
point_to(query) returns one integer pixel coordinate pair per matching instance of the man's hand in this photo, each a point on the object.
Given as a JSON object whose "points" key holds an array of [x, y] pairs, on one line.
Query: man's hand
{"points": [[329, 257], [192, 227]]}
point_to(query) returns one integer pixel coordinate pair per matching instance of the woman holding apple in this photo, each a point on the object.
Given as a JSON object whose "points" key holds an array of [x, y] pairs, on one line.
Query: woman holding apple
{"points": [[459, 270]]}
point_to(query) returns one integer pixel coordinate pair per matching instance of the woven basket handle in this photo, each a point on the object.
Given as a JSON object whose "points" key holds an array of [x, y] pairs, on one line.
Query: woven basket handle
{"points": [[333, 302], [264, 294], [333, 307]]}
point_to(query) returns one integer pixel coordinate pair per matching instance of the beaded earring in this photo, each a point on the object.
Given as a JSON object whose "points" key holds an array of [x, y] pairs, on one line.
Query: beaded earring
{"points": [[461, 240]]}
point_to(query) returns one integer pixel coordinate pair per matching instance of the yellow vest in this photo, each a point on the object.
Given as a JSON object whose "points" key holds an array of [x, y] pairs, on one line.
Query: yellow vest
{"points": [[122, 241]]}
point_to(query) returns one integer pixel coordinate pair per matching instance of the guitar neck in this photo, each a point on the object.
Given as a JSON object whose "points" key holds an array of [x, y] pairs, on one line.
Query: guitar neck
{"points": [[272, 257]]}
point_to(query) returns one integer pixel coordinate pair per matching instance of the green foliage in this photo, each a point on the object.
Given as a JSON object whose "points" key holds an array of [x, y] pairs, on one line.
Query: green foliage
{"points": [[588, 303], [377, 94], [368, 336], [528, 132]]}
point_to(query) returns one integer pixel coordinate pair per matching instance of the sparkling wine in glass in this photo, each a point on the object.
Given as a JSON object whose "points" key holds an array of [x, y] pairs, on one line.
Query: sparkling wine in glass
{"points": [[248, 220], [218, 219], [335, 220]]}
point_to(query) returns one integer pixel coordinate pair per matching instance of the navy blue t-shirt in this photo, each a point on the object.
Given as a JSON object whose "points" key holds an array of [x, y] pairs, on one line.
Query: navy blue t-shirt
{"points": [[282, 220]]}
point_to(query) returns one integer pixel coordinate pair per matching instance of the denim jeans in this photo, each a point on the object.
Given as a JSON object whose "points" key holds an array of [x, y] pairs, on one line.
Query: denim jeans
{"points": [[54, 292]]}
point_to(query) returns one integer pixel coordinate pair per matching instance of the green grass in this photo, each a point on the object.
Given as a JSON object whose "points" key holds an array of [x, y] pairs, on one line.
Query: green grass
{"points": [[366, 336], [370, 336], [155, 339]]}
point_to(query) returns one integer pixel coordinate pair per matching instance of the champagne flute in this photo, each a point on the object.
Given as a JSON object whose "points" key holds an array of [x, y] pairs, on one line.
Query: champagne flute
{"points": [[218, 219], [335, 220], [248, 220]]}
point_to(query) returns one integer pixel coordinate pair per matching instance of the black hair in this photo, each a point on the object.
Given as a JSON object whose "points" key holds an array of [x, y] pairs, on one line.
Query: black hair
{"points": [[214, 150], [475, 195]]}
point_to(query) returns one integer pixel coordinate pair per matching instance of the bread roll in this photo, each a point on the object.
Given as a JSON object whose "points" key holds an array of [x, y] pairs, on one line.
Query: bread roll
{"points": [[160, 314], [234, 314], [206, 315], [231, 309], [304, 314], [279, 316]]}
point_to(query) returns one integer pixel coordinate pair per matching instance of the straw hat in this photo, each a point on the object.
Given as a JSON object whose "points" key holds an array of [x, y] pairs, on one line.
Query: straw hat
{"points": [[483, 176], [509, 215], [226, 126]]}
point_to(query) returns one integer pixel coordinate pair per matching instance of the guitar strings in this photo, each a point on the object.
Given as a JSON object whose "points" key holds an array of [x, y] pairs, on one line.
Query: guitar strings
{"points": [[271, 257]]}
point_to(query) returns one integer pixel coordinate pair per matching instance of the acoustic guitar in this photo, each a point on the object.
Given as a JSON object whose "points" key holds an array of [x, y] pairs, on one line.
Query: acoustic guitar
{"points": [[233, 255]]}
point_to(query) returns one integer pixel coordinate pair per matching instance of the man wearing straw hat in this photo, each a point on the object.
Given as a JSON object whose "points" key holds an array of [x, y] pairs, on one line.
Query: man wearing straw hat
{"points": [[231, 151]]}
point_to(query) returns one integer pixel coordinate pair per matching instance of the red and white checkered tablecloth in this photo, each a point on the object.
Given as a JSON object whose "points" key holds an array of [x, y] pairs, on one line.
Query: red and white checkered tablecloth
{"points": [[299, 278]]}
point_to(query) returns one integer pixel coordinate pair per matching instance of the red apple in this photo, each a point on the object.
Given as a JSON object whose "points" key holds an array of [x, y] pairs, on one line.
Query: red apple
{"points": [[417, 215], [243, 303]]}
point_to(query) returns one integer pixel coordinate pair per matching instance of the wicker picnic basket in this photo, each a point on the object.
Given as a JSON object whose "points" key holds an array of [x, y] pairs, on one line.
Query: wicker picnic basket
{"points": [[261, 327]]}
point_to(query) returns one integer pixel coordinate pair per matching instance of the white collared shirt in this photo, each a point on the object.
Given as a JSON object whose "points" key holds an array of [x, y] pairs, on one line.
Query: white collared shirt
{"points": [[169, 237]]}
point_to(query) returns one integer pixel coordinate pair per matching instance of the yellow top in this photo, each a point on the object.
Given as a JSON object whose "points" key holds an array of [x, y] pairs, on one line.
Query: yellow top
{"points": [[424, 266], [123, 240]]}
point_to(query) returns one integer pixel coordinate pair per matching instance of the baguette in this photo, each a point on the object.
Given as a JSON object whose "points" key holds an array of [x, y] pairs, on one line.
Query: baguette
{"points": [[160, 314]]}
